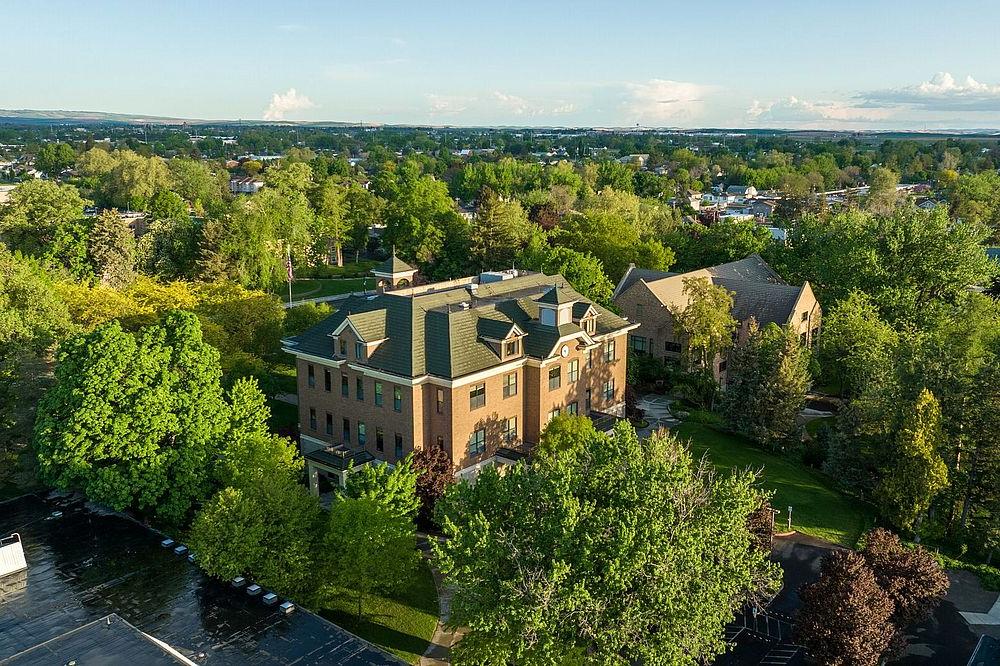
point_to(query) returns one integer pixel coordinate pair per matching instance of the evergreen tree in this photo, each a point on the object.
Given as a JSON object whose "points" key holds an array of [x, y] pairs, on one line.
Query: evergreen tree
{"points": [[767, 381], [915, 472], [111, 249]]}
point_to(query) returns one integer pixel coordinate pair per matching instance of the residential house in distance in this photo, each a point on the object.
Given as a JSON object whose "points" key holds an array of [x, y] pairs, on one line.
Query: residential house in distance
{"points": [[246, 185], [646, 296], [475, 366]]}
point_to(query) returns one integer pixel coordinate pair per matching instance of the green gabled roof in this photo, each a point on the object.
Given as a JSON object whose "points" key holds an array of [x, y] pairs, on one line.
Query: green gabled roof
{"points": [[493, 328], [427, 334], [369, 325], [559, 295], [393, 265]]}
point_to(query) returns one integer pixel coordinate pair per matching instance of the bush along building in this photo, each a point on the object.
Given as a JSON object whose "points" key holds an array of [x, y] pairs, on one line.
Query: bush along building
{"points": [[646, 298], [475, 366]]}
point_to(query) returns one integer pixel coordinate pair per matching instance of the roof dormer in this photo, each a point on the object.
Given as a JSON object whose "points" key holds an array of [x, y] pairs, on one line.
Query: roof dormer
{"points": [[555, 307]]}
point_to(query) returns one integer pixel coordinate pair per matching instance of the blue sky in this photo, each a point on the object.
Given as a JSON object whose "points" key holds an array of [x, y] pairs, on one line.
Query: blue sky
{"points": [[848, 64]]}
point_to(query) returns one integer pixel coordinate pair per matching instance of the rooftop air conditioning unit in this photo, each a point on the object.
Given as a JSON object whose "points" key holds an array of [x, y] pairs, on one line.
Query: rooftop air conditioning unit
{"points": [[11, 555]]}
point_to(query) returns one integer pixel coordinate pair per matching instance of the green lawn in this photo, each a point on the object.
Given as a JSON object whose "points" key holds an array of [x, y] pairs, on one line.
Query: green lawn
{"points": [[318, 288], [402, 624], [818, 509]]}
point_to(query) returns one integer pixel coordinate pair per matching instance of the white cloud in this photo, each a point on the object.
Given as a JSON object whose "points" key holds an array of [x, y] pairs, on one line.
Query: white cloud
{"points": [[448, 105], [660, 100], [797, 110], [942, 93], [282, 104]]}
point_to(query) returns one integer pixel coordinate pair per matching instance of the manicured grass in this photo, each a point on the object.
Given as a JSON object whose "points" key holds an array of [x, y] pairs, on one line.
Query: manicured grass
{"points": [[818, 509], [318, 288], [402, 624]]}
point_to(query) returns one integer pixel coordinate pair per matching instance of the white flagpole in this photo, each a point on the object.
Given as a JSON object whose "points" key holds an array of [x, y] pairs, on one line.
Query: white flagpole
{"points": [[288, 270]]}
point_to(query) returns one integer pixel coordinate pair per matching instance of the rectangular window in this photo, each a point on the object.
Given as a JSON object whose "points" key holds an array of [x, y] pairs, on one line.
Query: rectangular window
{"points": [[609, 351], [344, 390], [587, 402], [477, 442], [327, 380], [574, 370], [609, 390], [439, 401], [378, 394], [722, 366], [440, 442], [343, 347], [510, 430], [359, 388], [638, 344], [379, 439], [554, 413], [397, 398], [805, 316], [572, 408], [359, 350], [477, 396], [674, 347], [510, 385], [312, 418], [347, 431], [311, 375], [555, 377], [590, 358], [399, 446], [590, 325], [512, 348], [329, 423], [362, 433], [638, 310]]}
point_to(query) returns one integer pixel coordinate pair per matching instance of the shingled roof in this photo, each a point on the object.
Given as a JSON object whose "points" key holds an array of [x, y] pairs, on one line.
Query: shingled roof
{"points": [[393, 265], [446, 332], [758, 291]]}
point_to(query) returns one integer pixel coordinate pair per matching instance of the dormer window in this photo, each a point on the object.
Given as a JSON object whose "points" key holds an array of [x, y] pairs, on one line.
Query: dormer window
{"points": [[512, 348], [547, 316], [343, 347], [590, 325], [359, 351]]}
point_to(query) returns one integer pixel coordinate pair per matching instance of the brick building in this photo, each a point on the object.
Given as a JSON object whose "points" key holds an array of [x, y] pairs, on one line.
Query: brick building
{"points": [[646, 296], [475, 366]]}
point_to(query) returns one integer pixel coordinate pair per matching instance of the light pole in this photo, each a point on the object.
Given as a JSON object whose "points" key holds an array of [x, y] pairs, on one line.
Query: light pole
{"points": [[789, 519]]}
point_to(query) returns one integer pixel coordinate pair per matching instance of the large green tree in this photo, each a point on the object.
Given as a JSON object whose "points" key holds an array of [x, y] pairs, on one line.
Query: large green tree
{"points": [[267, 530], [45, 220], [111, 250], [914, 471], [367, 549], [612, 551], [135, 420], [904, 261], [704, 324], [766, 383]]}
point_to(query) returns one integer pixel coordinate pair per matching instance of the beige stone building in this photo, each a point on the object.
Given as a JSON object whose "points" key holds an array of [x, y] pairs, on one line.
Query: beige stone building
{"points": [[475, 366], [646, 296]]}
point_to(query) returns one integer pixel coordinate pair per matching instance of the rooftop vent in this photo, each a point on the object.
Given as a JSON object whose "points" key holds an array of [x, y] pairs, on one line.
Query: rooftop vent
{"points": [[239, 582], [270, 599], [167, 543], [254, 590], [287, 607]]}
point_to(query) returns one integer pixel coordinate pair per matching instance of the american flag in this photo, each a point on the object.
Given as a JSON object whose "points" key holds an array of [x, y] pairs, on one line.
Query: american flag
{"points": [[288, 268]]}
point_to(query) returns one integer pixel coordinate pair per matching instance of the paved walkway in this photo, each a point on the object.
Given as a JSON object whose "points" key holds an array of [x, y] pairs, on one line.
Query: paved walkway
{"points": [[438, 653], [656, 410]]}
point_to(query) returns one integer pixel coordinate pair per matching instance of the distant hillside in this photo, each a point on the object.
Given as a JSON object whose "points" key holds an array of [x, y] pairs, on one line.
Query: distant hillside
{"points": [[54, 116]]}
